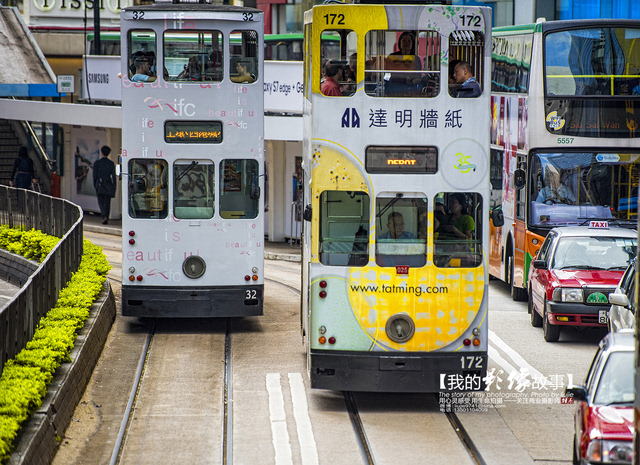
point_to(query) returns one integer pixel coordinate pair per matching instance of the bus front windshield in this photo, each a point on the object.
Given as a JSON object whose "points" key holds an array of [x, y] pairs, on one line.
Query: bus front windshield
{"points": [[568, 188]]}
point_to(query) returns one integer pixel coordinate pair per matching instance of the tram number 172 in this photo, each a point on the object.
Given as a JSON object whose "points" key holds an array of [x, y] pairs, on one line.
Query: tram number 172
{"points": [[471, 362]]}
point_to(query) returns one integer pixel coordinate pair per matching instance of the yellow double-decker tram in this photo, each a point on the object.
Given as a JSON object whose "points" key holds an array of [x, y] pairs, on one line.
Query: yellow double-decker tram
{"points": [[396, 189]]}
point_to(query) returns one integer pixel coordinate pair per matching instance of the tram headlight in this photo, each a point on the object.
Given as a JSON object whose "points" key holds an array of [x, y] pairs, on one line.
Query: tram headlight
{"points": [[400, 328], [476, 331], [322, 330], [132, 270], [567, 294], [254, 270], [194, 266]]}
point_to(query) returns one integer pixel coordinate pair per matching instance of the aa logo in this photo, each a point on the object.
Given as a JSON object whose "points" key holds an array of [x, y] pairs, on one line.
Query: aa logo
{"points": [[350, 118]]}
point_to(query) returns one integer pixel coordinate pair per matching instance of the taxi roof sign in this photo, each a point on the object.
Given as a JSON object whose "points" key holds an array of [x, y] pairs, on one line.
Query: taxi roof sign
{"points": [[598, 224]]}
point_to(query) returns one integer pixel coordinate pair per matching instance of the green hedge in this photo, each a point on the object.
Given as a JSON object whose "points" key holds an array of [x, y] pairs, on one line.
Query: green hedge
{"points": [[25, 378]]}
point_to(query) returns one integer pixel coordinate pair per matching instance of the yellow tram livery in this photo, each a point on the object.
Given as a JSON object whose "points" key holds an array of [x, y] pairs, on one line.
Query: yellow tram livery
{"points": [[396, 191]]}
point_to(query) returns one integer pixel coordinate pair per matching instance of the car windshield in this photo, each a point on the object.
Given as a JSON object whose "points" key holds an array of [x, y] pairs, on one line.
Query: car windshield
{"points": [[605, 253], [616, 382]]}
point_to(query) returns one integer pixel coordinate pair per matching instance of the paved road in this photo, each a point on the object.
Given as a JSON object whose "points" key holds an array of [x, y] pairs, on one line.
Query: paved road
{"points": [[277, 419]]}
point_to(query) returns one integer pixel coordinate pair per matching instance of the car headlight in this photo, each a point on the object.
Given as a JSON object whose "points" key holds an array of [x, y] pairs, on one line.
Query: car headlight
{"points": [[601, 451], [567, 294]]}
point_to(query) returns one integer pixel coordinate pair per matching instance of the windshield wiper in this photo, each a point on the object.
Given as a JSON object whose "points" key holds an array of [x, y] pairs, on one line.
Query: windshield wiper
{"points": [[617, 268], [580, 267], [620, 402]]}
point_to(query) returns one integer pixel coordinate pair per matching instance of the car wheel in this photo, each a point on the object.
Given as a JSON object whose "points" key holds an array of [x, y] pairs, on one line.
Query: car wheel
{"points": [[517, 293], [536, 319], [551, 332]]}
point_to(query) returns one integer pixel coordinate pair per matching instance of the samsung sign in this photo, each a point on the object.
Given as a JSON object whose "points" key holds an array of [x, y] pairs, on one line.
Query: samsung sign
{"points": [[100, 81]]}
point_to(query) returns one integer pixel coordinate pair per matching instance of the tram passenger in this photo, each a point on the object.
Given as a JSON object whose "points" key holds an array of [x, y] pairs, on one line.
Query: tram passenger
{"points": [[143, 70], [192, 70], [469, 86], [395, 223], [404, 58], [330, 86], [350, 75], [459, 224], [243, 76]]}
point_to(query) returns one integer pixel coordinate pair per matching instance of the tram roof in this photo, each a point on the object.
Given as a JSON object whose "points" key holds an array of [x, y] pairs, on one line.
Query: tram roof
{"points": [[190, 6], [543, 26]]}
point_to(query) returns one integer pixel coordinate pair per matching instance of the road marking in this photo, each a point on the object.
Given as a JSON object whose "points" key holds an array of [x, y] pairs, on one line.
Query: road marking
{"points": [[515, 357], [307, 441], [278, 418]]}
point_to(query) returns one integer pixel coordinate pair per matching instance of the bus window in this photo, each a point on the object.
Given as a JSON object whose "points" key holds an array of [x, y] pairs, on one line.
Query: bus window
{"points": [[142, 43], [344, 220], [193, 189], [401, 232], [457, 229], [596, 61], [338, 70], [148, 188], [466, 65], [194, 56], [244, 57], [236, 179], [511, 63], [402, 63]]}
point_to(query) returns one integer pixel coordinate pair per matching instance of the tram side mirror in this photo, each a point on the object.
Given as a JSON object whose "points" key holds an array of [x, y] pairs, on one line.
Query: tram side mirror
{"points": [[497, 217], [519, 178], [306, 215], [137, 186], [254, 192]]}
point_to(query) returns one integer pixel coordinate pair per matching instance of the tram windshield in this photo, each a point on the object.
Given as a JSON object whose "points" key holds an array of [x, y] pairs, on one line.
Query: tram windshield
{"points": [[567, 188], [148, 181], [344, 220], [237, 177], [194, 188], [401, 231], [457, 229]]}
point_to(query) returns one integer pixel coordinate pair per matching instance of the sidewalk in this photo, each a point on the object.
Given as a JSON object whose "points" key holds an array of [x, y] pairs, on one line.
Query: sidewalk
{"points": [[272, 250]]}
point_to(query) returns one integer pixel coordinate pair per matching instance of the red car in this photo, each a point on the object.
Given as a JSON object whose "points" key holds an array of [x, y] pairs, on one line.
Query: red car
{"points": [[604, 413], [573, 274]]}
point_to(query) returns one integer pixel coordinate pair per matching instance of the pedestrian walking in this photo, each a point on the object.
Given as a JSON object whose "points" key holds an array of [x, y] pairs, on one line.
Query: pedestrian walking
{"points": [[104, 181]]}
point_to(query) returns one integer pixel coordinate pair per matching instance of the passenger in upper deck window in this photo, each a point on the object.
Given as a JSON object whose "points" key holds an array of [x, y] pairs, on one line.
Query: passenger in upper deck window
{"points": [[243, 75], [143, 70], [192, 70], [463, 74], [333, 73]]}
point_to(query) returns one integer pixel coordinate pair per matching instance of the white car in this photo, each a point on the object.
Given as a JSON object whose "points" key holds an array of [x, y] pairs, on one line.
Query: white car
{"points": [[623, 301]]}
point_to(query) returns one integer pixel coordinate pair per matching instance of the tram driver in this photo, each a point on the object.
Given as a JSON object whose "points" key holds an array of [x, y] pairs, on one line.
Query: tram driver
{"points": [[395, 223]]}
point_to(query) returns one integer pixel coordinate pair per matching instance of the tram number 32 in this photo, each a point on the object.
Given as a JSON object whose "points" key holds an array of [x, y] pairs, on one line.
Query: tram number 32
{"points": [[471, 362], [251, 294]]}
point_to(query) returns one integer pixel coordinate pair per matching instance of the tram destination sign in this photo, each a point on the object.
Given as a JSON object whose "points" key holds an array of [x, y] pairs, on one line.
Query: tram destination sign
{"points": [[198, 132], [392, 160]]}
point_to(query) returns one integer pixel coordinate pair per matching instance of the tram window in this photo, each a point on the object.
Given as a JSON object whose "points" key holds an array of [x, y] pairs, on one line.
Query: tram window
{"points": [[344, 221], [393, 160], [193, 56], [338, 70], [401, 231], [402, 63], [457, 230], [466, 47], [148, 180], [236, 179], [142, 43], [193, 189], [244, 57]]}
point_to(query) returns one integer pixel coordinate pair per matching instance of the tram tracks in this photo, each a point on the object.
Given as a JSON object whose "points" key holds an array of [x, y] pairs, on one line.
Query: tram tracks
{"points": [[226, 437]]}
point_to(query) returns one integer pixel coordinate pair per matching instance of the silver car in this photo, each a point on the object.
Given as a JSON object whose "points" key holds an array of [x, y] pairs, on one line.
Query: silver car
{"points": [[623, 301]]}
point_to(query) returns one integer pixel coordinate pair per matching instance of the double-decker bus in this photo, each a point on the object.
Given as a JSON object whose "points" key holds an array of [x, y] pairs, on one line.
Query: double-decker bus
{"points": [[564, 134], [192, 161], [396, 195]]}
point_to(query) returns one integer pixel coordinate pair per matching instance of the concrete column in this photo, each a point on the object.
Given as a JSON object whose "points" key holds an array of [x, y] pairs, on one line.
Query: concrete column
{"points": [[276, 154]]}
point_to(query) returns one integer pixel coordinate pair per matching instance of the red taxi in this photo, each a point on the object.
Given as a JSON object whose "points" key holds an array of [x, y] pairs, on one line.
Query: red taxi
{"points": [[604, 412], [573, 274]]}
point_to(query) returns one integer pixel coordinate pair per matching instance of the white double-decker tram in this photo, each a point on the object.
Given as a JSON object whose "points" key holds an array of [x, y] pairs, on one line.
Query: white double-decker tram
{"points": [[192, 161], [396, 189]]}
